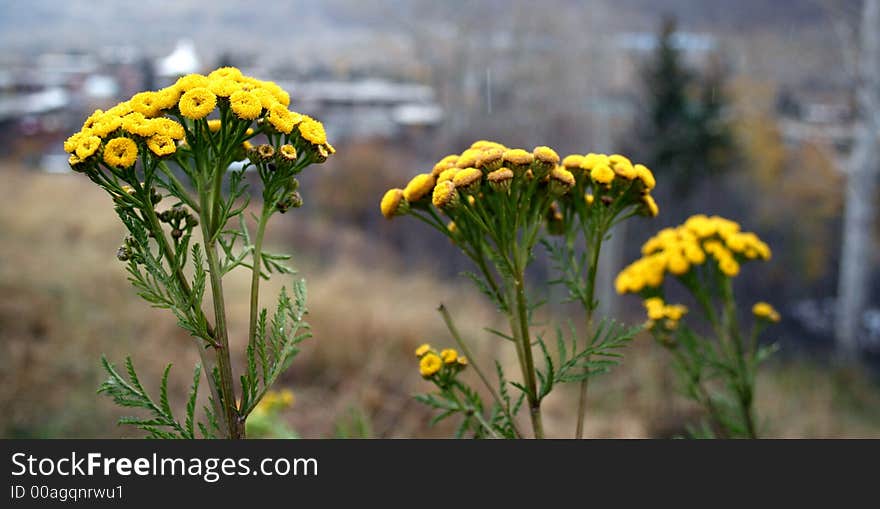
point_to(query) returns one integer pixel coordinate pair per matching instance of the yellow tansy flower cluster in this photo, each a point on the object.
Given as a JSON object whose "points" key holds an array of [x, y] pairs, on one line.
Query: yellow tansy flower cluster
{"points": [[765, 311], [678, 251], [662, 315], [275, 401], [491, 167], [445, 363], [159, 121]]}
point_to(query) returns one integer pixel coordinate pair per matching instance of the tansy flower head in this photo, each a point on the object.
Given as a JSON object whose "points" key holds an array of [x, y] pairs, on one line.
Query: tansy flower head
{"points": [[518, 160], [287, 152], [445, 197], [447, 174], [393, 204], [622, 166], [729, 266], [229, 72], [72, 142], [245, 105], [602, 174], [468, 158], [214, 125], [161, 145], [651, 208], [468, 180], [168, 127], [146, 103], [277, 92], [223, 87], [266, 152], [486, 144], [490, 160], [765, 311], [282, 119], [561, 181], [545, 160], [87, 146], [419, 187], [574, 164], [645, 176], [430, 364], [449, 356], [191, 81], [120, 152], [592, 160], [197, 103], [500, 179], [444, 164], [423, 349], [312, 131]]}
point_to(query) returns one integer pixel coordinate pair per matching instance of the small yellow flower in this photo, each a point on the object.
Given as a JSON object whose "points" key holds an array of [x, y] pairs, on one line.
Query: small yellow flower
{"points": [[120, 152], [283, 119], [462, 361], [500, 179], [245, 105], [146, 103], [267, 100], [214, 125], [197, 103], [678, 264], [561, 181], [229, 72], [650, 205], [602, 174], [573, 163], [765, 311], [423, 349], [161, 145], [447, 174], [592, 160], [71, 143], [168, 127], [87, 146], [191, 81], [277, 92], [393, 204], [449, 356], [419, 187], [444, 195], [137, 123], [430, 364], [622, 166], [288, 152], [468, 180], [646, 176], [728, 266], [312, 131], [589, 199], [444, 164], [518, 160], [655, 308], [490, 160], [223, 87]]}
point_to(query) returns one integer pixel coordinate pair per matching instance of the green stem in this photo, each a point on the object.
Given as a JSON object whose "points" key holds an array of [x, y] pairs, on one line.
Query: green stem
{"points": [[255, 277], [453, 330], [589, 306], [235, 425], [522, 320], [743, 383]]}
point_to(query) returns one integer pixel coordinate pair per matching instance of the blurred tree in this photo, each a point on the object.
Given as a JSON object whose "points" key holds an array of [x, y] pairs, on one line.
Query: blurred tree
{"points": [[684, 134], [856, 260]]}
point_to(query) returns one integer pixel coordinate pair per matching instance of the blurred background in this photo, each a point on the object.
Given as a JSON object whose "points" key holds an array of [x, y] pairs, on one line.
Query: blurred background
{"points": [[766, 112]]}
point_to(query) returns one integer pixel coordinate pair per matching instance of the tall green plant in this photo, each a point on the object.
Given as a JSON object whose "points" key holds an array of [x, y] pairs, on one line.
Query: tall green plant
{"points": [[174, 254]]}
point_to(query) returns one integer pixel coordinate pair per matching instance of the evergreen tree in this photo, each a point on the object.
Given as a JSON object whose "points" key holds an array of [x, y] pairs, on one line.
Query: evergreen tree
{"points": [[685, 136]]}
